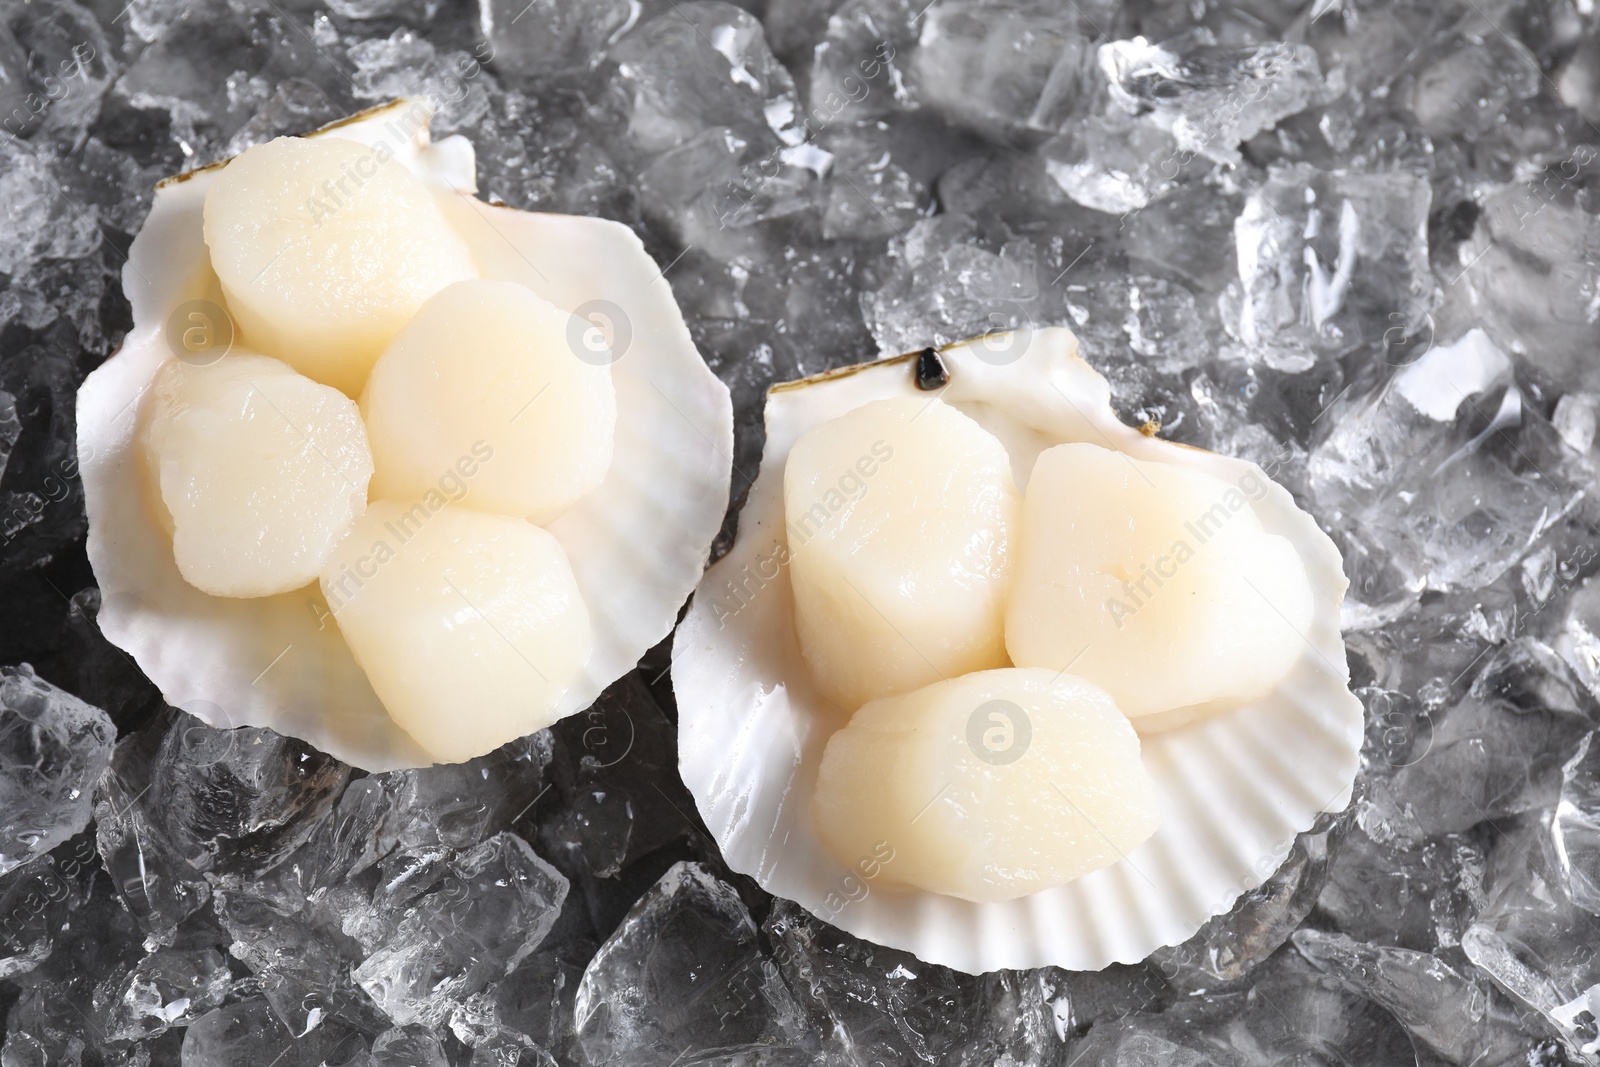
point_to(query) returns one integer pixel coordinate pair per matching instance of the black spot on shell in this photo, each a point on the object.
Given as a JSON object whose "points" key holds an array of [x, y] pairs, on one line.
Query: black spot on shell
{"points": [[931, 371]]}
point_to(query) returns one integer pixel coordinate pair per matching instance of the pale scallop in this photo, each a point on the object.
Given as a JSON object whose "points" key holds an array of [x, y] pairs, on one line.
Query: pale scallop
{"points": [[325, 248], [1156, 582], [470, 626], [899, 517], [489, 365], [986, 787], [256, 472]]}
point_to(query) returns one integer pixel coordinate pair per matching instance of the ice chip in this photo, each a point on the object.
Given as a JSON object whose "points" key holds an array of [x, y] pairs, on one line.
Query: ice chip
{"points": [[239, 801], [1328, 262], [550, 37], [847, 987], [494, 905], [1466, 89], [408, 1046], [53, 748], [167, 988], [1447, 375], [1440, 1007], [1575, 831], [1211, 97], [1574, 419], [701, 65], [1115, 163], [1005, 70], [683, 972], [946, 287], [1524, 273]]}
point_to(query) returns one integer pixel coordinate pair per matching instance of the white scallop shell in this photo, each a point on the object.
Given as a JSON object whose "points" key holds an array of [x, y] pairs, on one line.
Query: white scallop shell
{"points": [[1234, 791], [637, 544]]}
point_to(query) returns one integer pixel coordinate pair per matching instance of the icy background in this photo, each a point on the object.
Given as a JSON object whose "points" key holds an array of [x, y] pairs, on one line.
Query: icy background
{"points": [[1357, 242]]}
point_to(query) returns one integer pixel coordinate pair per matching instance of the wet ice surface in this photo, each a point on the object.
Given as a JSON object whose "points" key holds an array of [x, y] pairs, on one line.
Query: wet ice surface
{"points": [[1355, 242]]}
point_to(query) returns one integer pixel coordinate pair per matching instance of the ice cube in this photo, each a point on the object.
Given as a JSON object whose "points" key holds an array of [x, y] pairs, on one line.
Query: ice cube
{"points": [[947, 287], [247, 1034], [457, 805], [1578, 81], [1574, 419], [709, 189], [1229, 945], [1398, 892], [1114, 163], [237, 802], [795, 27], [93, 938], [1005, 70], [1524, 939], [868, 193], [36, 901], [303, 968], [1575, 830], [1133, 1046], [1328, 262], [69, 65], [684, 972], [408, 1046], [704, 65], [167, 988], [53, 748], [1525, 273], [1468, 85], [871, 1004], [493, 906], [617, 791], [1579, 642], [1488, 759], [345, 844], [552, 36], [155, 882], [295, 106], [1423, 502], [1211, 97], [45, 225], [861, 67], [530, 1007], [504, 1051], [1443, 1009]]}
